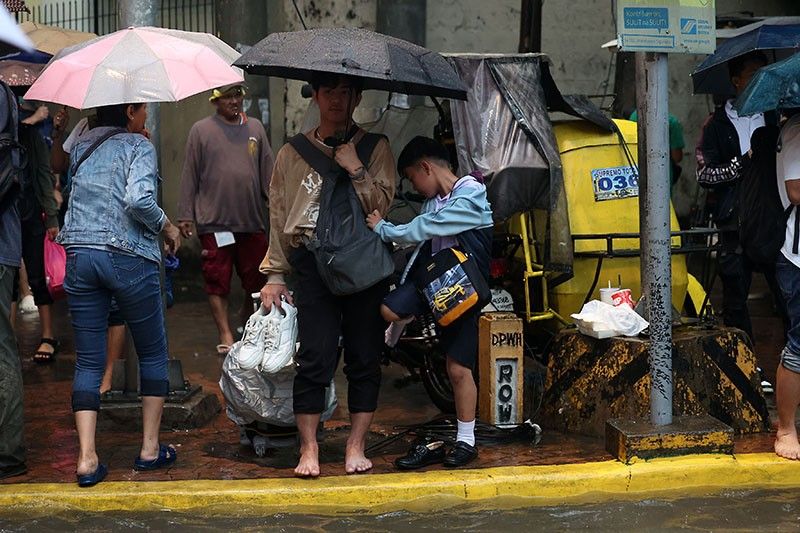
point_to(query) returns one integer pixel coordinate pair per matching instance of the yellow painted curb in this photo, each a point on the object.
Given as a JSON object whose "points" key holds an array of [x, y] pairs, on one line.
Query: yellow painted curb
{"points": [[425, 491]]}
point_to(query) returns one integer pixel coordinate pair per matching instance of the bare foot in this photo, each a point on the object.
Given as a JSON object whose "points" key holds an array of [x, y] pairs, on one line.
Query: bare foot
{"points": [[355, 462], [786, 445], [87, 465], [308, 466]]}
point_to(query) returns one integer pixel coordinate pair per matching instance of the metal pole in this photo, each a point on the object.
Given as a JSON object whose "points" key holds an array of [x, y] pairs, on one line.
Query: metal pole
{"points": [[141, 13], [651, 88], [530, 26], [404, 19]]}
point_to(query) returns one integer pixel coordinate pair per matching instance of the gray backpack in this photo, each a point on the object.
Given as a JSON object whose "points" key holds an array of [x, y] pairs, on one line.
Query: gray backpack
{"points": [[349, 256]]}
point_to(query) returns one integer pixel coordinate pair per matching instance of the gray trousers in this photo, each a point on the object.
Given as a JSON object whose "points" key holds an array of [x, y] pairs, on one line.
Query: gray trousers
{"points": [[12, 448]]}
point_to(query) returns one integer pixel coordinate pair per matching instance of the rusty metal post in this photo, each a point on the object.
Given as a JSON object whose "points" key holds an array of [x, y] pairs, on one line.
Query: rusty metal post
{"points": [[651, 95]]}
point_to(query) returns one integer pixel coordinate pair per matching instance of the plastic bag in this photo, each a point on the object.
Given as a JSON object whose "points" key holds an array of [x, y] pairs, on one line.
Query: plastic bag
{"points": [[254, 396], [55, 266], [601, 320]]}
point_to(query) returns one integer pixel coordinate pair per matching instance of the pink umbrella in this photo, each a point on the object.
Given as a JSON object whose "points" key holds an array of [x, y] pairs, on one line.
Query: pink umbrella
{"points": [[136, 65]]}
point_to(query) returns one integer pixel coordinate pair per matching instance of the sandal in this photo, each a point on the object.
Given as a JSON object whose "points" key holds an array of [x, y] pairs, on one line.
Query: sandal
{"points": [[166, 456], [90, 480], [46, 357]]}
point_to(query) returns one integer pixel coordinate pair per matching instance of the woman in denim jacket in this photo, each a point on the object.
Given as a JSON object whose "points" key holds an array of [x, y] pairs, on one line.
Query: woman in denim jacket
{"points": [[111, 235]]}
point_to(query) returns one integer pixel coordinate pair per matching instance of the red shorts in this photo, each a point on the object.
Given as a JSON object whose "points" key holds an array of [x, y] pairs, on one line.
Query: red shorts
{"points": [[246, 254]]}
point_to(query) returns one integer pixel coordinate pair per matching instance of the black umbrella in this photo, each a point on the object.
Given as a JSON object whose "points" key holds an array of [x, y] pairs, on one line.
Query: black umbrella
{"points": [[382, 62]]}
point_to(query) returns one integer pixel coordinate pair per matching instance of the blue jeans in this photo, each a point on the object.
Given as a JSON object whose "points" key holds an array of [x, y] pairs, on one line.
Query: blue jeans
{"points": [[789, 280], [92, 279]]}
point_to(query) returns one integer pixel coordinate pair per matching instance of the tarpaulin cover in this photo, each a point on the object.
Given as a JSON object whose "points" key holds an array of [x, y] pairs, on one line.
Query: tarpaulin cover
{"points": [[504, 130]]}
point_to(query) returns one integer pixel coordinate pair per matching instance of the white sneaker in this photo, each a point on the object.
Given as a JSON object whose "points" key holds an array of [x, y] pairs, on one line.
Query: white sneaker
{"points": [[251, 349], [26, 305], [280, 338]]}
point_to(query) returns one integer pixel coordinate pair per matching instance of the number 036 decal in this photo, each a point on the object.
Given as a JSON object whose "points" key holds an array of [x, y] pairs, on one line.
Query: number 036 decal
{"points": [[616, 182]]}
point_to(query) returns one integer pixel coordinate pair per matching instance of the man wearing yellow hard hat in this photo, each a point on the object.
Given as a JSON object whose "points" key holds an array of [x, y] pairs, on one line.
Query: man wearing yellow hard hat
{"points": [[223, 201]]}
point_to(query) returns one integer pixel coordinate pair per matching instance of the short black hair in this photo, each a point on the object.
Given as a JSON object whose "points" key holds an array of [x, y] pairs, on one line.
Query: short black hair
{"points": [[420, 148], [330, 80], [737, 64], [115, 116]]}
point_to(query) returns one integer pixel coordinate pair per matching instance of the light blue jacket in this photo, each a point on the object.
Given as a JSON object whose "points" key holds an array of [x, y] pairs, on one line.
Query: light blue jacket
{"points": [[466, 209], [112, 203]]}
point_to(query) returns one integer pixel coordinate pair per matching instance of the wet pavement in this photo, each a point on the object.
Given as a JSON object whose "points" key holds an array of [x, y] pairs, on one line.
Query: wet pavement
{"points": [[215, 452]]}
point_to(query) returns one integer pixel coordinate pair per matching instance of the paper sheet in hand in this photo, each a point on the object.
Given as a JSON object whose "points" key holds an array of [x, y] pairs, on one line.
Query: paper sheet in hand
{"points": [[224, 238]]}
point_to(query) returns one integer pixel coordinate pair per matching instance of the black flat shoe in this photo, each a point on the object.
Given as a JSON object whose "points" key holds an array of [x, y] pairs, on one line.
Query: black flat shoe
{"points": [[461, 454], [421, 455]]}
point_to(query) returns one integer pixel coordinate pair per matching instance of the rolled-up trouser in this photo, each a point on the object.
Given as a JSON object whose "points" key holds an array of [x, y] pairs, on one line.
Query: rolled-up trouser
{"points": [[322, 318], [12, 448], [93, 277], [788, 275]]}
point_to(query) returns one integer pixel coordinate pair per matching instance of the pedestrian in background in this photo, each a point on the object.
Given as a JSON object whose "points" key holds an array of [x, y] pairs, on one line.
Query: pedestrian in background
{"points": [[12, 448], [223, 199], [723, 153]]}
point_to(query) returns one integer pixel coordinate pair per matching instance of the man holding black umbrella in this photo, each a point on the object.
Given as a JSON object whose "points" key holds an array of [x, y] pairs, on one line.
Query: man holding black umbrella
{"points": [[323, 316]]}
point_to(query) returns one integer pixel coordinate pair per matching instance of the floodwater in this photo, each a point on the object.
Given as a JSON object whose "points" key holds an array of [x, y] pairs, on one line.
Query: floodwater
{"points": [[741, 510]]}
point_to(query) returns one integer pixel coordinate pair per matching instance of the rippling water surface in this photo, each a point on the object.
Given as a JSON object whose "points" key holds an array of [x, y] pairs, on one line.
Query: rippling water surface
{"points": [[730, 511]]}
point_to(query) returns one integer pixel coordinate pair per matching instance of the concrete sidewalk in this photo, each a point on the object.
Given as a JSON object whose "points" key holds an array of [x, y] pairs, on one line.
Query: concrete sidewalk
{"points": [[215, 453]]}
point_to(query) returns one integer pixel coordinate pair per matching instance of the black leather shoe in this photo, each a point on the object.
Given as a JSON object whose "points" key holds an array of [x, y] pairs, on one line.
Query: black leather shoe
{"points": [[461, 454], [421, 455]]}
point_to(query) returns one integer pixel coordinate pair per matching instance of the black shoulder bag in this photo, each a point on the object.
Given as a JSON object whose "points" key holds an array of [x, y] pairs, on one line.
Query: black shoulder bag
{"points": [[349, 256]]}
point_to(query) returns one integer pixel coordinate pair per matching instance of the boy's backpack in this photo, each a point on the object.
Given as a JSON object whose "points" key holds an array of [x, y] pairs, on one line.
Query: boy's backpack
{"points": [[12, 155], [762, 218], [349, 256]]}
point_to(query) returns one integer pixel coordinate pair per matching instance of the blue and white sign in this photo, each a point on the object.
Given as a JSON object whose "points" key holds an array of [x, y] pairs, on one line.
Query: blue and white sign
{"points": [[675, 26], [615, 182]]}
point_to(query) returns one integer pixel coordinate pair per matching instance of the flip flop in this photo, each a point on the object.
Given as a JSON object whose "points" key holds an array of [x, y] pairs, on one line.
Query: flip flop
{"points": [[223, 349], [46, 357], [166, 456], [90, 480]]}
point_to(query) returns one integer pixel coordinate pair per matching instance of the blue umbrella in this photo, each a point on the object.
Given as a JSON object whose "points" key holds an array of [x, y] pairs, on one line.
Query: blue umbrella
{"points": [[776, 86], [711, 77]]}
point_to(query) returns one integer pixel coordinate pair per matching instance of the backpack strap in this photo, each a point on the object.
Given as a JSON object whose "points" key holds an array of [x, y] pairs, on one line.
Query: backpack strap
{"points": [[323, 164], [796, 243], [94, 146]]}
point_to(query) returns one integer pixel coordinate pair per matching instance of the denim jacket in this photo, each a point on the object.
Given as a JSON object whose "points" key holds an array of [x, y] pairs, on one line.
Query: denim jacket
{"points": [[112, 202]]}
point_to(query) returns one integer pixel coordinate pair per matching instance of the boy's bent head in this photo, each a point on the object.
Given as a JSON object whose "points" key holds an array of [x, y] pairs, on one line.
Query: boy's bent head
{"points": [[421, 161]]}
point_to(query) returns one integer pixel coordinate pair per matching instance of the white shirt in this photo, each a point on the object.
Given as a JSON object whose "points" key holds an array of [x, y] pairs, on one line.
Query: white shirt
{"points": [[787, 165], [745, 126], [80, 128]]}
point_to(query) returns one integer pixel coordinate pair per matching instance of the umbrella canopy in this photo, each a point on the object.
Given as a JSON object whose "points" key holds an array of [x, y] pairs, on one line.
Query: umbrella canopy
{"points": [[776, 86], [712, 77], [19, 73], [134, 65], [16, 6], [52, 39], [12, 39], [384, 63]]}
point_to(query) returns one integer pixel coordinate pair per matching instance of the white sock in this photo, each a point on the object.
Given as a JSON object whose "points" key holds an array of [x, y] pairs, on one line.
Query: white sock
{"points": [[466, 432]]}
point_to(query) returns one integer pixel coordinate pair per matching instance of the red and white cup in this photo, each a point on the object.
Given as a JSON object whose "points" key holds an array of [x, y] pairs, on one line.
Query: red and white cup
{"points": [[622, 297]]}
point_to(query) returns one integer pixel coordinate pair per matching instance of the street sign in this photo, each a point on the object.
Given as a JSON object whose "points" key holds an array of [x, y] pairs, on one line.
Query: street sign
{"points": [[670, 26]]}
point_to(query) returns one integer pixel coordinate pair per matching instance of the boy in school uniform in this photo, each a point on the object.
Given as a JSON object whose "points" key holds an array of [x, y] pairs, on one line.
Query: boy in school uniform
{"points": [[455, 214]]}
